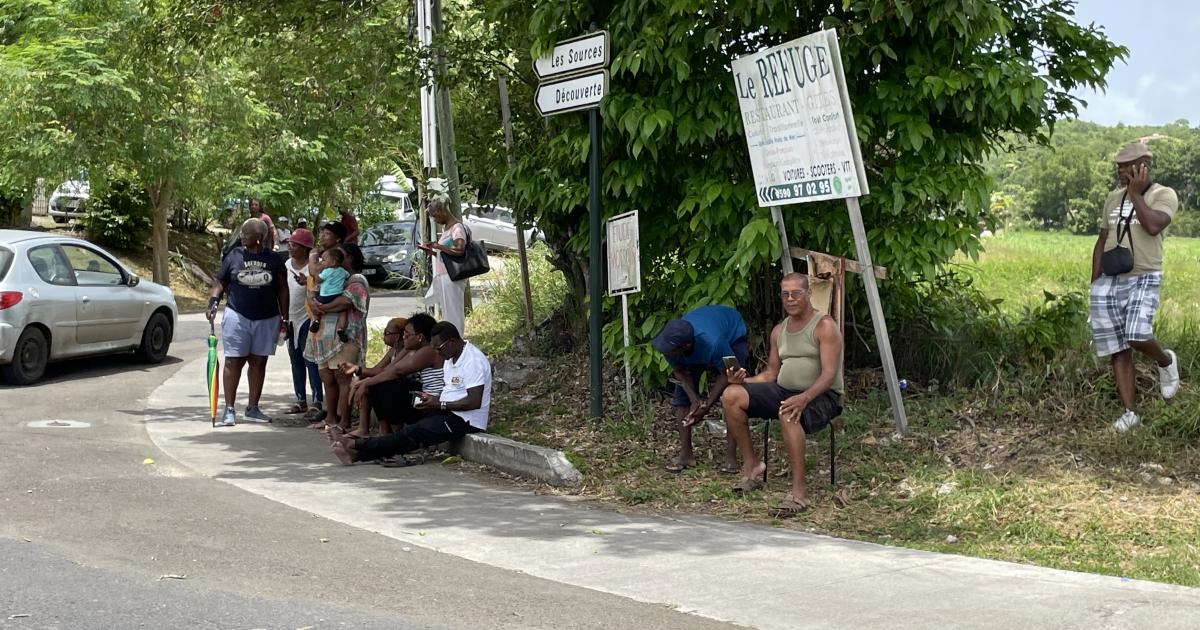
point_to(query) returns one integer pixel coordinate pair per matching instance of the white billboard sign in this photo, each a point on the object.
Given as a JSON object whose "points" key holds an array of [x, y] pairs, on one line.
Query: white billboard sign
{"points": [[798, 121], [624, 255]]}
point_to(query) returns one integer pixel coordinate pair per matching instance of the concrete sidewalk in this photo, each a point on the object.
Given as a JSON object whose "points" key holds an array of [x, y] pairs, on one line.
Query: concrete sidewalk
{"points": [[746, 574]]}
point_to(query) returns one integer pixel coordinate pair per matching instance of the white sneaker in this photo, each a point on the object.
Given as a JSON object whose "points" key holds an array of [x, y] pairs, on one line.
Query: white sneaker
{"points": [[229, 419], [1127, 421], [254, 414], [1168, 377]]}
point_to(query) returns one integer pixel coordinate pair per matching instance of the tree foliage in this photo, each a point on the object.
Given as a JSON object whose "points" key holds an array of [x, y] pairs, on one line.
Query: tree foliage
{"points": [[1062, 185], [936, 89]]}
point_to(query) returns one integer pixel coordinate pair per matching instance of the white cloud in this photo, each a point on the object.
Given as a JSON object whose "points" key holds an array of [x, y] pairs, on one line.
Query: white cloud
{"points": [[1112, 107]]}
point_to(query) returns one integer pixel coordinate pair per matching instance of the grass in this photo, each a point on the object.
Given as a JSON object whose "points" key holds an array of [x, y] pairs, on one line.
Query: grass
{"points": [[1021, 468]]}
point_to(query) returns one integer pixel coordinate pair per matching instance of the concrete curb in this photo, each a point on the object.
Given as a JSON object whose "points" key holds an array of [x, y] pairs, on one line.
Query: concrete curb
{"points": [[518, 458]]}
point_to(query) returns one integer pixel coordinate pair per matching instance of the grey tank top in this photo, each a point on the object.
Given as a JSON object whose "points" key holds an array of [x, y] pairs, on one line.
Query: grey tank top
{"points": [[801, 358]]}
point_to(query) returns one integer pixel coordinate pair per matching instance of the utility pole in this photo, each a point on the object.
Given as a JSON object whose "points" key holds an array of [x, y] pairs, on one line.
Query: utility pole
{"points": [[445, 121], [522, 255]]}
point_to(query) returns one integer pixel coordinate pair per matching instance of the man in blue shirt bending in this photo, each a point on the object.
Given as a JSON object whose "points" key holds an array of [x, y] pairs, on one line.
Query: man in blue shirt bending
{"points": [[693, 345]]}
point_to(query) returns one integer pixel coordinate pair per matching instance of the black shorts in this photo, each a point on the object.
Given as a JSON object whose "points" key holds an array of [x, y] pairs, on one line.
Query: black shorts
{"points": [[392, 401], [765, 399]]}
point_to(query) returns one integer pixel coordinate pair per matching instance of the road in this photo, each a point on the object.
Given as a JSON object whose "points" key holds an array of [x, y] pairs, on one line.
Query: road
{"points": [[100, 529]]}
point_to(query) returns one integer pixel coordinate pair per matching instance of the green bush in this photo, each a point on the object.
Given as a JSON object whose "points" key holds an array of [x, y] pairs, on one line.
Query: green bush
{"points": [[498, 317], [119, 217]]}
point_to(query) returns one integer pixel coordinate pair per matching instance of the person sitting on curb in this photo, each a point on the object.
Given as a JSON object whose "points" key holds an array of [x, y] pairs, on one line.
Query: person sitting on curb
{"points": [[410, 365], [460, 409], [802, 386], [693, 345]]}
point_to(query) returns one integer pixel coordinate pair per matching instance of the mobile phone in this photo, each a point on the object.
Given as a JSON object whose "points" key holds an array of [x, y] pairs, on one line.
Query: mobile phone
{"points": [[417, 400], [731, 363]]}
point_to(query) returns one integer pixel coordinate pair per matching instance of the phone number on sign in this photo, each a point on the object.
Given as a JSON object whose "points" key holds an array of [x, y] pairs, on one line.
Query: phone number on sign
{"points": [[799, 190]]}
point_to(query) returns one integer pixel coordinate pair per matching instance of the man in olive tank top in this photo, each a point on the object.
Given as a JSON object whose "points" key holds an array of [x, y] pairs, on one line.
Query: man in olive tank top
{"points": [[802, 386], [1127, 278]]}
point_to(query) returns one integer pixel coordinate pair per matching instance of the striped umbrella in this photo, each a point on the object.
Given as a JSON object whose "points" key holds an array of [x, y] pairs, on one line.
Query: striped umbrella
{"points": [[214, 366]]}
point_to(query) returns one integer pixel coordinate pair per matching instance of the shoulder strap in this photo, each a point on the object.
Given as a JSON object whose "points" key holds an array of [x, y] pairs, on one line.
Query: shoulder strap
{"points": [[1125, 221]]}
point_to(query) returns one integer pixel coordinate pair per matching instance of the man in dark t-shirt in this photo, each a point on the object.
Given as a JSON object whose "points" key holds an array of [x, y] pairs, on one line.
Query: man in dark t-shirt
{"points": [[255, 282]]}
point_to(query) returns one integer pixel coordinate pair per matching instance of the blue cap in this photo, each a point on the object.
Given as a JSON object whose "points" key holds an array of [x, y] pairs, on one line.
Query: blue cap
{"points": [[676, 334]]}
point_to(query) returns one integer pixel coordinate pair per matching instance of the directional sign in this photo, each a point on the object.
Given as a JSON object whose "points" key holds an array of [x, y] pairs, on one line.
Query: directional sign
{"points": [[574, 55], [572, 94]]}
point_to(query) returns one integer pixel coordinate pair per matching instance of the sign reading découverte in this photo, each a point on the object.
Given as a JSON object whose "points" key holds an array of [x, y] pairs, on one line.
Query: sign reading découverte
{"points": [[798, 122], [584, 91]]}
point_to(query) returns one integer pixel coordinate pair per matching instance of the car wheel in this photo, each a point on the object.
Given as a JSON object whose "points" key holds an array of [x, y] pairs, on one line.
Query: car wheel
{"points": [[59, 220], [156, 339], [29, 358]]}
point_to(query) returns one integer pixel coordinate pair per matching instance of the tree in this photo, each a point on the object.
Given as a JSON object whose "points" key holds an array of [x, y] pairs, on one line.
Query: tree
{"points": [[935, 86]]}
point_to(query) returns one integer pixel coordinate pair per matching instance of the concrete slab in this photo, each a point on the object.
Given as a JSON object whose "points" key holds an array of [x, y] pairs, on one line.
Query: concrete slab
{"points": [[518, 458], [746, 574]]}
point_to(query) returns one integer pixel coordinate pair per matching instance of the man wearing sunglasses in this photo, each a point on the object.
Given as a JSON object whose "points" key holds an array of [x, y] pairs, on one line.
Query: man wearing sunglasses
{"points": [[802, 386], [461, 407]]}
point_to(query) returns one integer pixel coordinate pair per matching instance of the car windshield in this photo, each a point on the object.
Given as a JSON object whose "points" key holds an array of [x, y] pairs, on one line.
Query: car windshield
{"points": [[6, 258], [389, 234]]}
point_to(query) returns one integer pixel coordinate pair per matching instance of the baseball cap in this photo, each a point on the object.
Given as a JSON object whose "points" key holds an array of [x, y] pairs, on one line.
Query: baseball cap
{"points": [[676, 334], [302, 237], [1132, 151]]}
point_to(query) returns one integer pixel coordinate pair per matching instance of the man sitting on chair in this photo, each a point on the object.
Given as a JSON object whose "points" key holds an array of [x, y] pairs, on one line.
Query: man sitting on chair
{"points": [[802, 386]]}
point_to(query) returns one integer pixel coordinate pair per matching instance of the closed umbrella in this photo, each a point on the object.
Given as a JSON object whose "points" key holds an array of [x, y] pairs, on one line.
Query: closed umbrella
{"points": [[214, 365]]}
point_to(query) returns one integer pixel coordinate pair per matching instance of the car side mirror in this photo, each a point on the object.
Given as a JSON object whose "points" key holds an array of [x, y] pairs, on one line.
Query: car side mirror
{"points": [[134, 280]]}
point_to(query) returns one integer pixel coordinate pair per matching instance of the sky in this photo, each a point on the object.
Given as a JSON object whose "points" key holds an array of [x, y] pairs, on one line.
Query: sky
{"points": [[1159, 82]]}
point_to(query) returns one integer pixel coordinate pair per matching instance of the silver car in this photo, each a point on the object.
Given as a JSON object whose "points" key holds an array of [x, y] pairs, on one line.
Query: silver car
{"points": [[495, 226], [62, 297]]}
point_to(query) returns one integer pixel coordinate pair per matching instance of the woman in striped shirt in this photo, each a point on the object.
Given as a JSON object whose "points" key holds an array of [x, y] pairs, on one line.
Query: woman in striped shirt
{"points": [[410, 365]]}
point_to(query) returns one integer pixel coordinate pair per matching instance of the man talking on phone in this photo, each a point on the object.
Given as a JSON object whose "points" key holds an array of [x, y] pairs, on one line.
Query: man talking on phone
{"points": [[698, 343], [1127, 278]]}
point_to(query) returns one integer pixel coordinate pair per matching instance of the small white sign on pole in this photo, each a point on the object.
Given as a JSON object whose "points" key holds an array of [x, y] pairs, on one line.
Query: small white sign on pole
{"points": [[583, 91], [798, 121], [624, 274]]}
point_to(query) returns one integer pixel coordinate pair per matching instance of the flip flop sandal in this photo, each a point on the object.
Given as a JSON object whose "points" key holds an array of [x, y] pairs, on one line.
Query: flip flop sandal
{"points": [[297, 409], [396, 462], [677, 466], [747, 484], [788, 507], [729, 469]]}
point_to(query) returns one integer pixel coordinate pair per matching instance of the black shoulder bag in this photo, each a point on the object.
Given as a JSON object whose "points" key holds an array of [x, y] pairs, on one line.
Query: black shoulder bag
{"points": [[1119, 260], [471, 263]]}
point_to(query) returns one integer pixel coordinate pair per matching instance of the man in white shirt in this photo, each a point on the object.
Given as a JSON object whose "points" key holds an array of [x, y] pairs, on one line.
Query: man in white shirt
{"points": [[461, 408]]}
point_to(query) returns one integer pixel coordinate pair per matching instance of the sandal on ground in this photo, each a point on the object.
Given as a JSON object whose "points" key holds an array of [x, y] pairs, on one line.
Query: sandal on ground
{"points": [[396, 462], [677, 464], [788, 507], [747, 484], [729, 469], [314, 414], [297, 408]]}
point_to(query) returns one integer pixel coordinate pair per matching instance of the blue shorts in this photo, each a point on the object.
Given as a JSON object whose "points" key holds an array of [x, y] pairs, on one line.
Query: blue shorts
{"points": [[245, 337], [741, 350]]}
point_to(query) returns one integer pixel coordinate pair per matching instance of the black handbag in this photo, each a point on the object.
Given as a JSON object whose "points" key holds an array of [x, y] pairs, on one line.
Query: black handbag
{"points": [[1119, 260], [473, 261]]}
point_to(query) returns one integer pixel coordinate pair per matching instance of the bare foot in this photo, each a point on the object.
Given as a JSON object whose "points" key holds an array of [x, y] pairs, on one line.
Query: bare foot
{"points": [[344, 451], [754, 472], [359, 433]]}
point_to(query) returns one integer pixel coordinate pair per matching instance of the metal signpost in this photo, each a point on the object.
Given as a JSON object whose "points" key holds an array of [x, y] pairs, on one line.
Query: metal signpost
{"points": [[624, 274], [803, 147], [577, 67]]}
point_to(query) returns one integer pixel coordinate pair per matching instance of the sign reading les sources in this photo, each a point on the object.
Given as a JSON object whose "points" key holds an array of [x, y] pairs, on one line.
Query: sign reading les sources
{"points": [[798, 122], [574, 55]]}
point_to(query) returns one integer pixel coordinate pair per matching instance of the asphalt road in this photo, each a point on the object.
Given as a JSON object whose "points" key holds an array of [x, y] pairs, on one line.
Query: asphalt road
{"points": [[89, 527]]}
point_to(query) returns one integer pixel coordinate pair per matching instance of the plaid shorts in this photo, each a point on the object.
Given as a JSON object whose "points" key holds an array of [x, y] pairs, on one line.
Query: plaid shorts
{"points": [[1122, 310]]}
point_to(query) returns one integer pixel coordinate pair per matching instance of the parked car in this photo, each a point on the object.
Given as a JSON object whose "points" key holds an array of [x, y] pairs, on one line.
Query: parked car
{"points": [[494, 225], [69, 200], [390, 251], [63, 297]]}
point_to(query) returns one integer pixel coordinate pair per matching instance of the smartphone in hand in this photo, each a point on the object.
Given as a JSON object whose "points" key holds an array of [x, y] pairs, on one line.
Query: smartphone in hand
{"points": [[731, 363]]}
